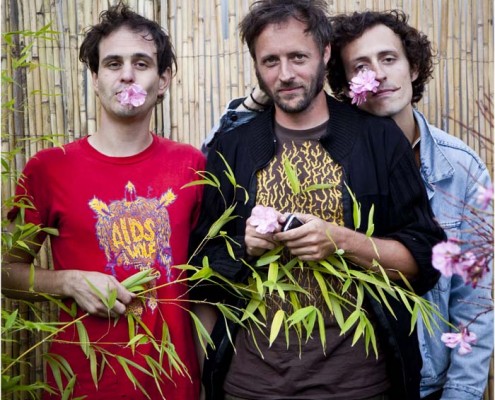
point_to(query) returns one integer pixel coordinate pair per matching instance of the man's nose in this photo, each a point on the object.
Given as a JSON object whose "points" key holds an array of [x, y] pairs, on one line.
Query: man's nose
{"points": [[286, 72], [380, 72], [127, 73]]}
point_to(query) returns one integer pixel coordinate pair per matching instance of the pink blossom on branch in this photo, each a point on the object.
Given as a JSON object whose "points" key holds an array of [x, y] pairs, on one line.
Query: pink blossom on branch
{"points": [[361, 84], [133, 95], [265, 219], [445, 255], [449, 259], [464, 339], [484, 196]]}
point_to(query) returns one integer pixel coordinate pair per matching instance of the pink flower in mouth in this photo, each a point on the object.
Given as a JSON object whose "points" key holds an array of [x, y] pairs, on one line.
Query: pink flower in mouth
{"points": [[361, 84], [265, 219], [133, 95], [464, 339]]}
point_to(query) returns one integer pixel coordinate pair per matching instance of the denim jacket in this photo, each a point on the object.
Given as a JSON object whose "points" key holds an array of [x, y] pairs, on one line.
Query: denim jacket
{"points": [[452, 173]]}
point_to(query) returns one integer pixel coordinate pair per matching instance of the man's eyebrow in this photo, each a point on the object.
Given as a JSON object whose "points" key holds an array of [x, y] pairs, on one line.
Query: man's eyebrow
{"points": [[111, 57], [142, 56]]}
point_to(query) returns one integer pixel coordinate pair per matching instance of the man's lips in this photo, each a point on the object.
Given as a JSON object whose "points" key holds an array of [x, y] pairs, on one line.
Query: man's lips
{"points": [[289, 90], [385, 91]]}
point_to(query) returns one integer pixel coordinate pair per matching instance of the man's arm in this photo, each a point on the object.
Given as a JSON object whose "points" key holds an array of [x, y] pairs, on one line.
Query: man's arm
{"points": [[18, 282], [239, 111], [317, 239]]}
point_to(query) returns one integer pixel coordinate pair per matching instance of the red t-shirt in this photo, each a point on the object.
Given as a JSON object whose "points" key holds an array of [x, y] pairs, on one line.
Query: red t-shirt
{"points": [[118, 215]]}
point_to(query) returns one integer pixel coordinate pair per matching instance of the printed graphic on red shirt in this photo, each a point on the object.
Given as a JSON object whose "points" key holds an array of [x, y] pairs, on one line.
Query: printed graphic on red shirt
{"points": [[135, 234]]}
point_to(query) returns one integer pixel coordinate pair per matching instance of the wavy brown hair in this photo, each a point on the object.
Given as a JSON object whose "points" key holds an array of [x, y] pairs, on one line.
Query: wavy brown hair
{"points": [[347, 28], [262, 13]]}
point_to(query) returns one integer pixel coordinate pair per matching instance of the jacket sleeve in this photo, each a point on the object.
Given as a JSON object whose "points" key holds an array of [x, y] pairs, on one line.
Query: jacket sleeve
{"points": [[229, 120], [412, 219]]}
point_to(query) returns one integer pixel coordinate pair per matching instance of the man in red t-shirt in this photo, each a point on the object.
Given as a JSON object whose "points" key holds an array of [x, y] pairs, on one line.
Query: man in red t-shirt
{"points": [[116, 198]]}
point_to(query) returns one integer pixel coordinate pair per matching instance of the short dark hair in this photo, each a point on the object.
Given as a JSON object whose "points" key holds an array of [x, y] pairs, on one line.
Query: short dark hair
{"points": [[265, 12], [347, 28], [116, 17]]}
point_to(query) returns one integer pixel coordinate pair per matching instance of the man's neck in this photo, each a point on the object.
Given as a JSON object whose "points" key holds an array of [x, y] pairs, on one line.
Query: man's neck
{"points": [[122, 138], [406, 122], [316, 114]]}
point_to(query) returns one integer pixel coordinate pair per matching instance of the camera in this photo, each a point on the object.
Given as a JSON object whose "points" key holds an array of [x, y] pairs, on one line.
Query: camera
{"points": [[291, 223]]}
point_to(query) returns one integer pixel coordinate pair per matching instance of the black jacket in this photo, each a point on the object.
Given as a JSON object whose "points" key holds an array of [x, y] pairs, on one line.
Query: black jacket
{"points": [[380, 170]]}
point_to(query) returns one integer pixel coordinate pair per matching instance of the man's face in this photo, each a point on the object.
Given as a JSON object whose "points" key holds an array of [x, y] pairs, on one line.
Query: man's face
{"points": [[289, 65], [380, 49], [127, 58]]}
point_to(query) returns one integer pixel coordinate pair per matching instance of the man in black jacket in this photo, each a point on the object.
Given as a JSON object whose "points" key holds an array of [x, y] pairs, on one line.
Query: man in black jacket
{"points": [[333, 146]]}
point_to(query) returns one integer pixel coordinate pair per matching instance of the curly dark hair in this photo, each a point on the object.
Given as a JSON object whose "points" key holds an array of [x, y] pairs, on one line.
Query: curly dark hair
{"points": [[265, 12], [347, 28], [116, 17]]}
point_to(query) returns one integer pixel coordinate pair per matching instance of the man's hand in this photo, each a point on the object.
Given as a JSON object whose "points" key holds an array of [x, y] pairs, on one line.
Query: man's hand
{"points": [[258, 243], [311, 241], [81, 285]]}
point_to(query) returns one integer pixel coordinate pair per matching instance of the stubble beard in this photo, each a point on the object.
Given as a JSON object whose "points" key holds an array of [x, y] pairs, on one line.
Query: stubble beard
{"points": [[315, 87]]}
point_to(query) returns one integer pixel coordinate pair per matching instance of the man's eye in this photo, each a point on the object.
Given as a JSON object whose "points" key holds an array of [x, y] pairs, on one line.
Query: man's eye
{"points": [[141, 65]]}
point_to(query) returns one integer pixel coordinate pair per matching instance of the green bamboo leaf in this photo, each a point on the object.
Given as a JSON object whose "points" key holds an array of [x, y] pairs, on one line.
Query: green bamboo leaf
{"points": [[199, 182], [31, 277], [83, 338], [323, 288], [319, 186], [265, 260], [300, 315], [220, 222], [203, 273], [93, 366], [359, 332], [349, 323], [371, 225], [10, 320], [309, 323], [356, 208], [123, 362], [67, 394], [131, 329], [405, 280], [337, 311], [55, 368], [292, 177], [414, 317], [202, 333], [322, 330], [384, 299], [227, 313], [228, 172], [139, 278], [276, 325]]}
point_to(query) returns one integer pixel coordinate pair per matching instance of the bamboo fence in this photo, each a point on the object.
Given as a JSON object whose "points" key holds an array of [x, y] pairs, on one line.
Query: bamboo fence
{"points": [[56, 100]]}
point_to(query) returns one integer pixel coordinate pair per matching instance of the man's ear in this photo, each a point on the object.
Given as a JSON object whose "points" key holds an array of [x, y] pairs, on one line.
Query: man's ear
{"points": [[327, 51], [164, 83], [414, 75], [94, 78]]}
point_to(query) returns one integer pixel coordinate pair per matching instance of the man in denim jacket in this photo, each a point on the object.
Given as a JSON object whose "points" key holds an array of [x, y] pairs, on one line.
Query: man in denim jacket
{"points": [[451, 171]]}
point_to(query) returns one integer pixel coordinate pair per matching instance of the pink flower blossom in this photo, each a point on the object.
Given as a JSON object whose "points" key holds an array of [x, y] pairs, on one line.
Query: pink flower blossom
{"points": [[361, 84], [445, 256], [449, 259], [464, 339], [133, 95], [485, 196], [265, 219]]}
